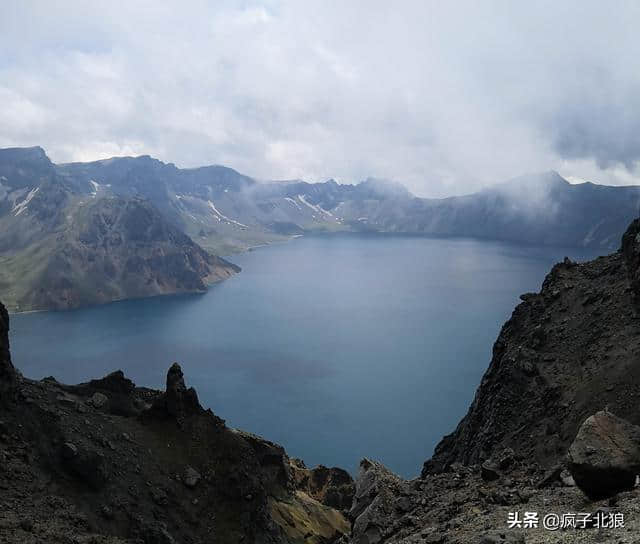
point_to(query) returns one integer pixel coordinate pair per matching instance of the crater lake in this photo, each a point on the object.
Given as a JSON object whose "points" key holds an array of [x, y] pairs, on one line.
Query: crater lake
{"points": [[336, 347]]}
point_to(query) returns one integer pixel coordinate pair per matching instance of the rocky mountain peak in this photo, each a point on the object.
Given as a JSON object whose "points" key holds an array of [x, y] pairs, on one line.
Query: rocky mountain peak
{"points": [[385, 188], [24, 154], [24, 167]]}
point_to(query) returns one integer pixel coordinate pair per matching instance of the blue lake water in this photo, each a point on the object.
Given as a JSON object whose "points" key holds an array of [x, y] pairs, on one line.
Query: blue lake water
{"points": [[337, 347]]}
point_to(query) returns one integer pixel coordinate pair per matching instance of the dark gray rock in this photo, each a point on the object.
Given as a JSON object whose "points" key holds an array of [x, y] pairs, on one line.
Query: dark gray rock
{"points": [[98, 400], [190, 477], [489, 471], [604, 458]]}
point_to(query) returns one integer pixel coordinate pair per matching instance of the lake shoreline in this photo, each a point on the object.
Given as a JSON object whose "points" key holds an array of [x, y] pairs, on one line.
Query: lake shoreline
{"points": [[298, 346]]}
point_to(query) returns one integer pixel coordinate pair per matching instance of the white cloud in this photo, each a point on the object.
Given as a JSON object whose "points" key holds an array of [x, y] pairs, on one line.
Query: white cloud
{"points": [[444, 97]]}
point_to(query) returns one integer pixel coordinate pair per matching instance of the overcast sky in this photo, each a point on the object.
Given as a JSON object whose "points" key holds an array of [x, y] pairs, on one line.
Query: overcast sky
{"points": [[444, 97]]}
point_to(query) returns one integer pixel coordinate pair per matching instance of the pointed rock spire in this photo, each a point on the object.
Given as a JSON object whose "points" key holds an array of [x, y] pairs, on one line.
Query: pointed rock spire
{"points": [[178, 401]]}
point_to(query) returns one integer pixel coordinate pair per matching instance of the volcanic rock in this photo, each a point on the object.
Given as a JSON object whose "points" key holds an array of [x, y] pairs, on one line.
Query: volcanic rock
{"points": [[604, 458]]}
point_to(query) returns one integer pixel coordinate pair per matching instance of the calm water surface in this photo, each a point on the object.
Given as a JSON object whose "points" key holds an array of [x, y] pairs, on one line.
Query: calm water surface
{"points": [[336, 347]]}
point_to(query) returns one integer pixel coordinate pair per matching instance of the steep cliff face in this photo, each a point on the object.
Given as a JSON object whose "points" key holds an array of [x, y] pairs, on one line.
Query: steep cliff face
{"points": [[567, 352]]}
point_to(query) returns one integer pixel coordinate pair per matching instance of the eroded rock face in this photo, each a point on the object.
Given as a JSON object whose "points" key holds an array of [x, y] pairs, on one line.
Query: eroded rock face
{"points": [[604, 458]]}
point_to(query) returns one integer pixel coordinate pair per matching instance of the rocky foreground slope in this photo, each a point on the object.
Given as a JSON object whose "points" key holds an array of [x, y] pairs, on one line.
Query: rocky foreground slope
{"points": [[552, 432], [108, 462]]}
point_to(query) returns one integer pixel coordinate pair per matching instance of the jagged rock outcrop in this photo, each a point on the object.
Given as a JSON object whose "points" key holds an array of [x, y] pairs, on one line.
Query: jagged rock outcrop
{"points": [[604, 458], [7, 371], [177, 402], [378, 493]]}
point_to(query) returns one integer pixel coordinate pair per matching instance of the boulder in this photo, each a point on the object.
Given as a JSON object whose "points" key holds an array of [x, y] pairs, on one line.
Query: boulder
{"points": [[98, 400], [190, 477], [604, 458], [489, 471]]}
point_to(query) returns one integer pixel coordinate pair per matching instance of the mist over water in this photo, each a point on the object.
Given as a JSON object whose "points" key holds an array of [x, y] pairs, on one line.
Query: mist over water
{"points": [[337, 347]]}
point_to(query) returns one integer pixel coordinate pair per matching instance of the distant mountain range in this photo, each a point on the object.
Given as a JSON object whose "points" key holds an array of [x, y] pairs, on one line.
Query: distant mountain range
{"points": [[82, 233], [225, 211]]}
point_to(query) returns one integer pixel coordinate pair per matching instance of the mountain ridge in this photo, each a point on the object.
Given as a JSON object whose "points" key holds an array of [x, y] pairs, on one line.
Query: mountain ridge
{"points": [[223, 212], [542, 208], [64, 246]]}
